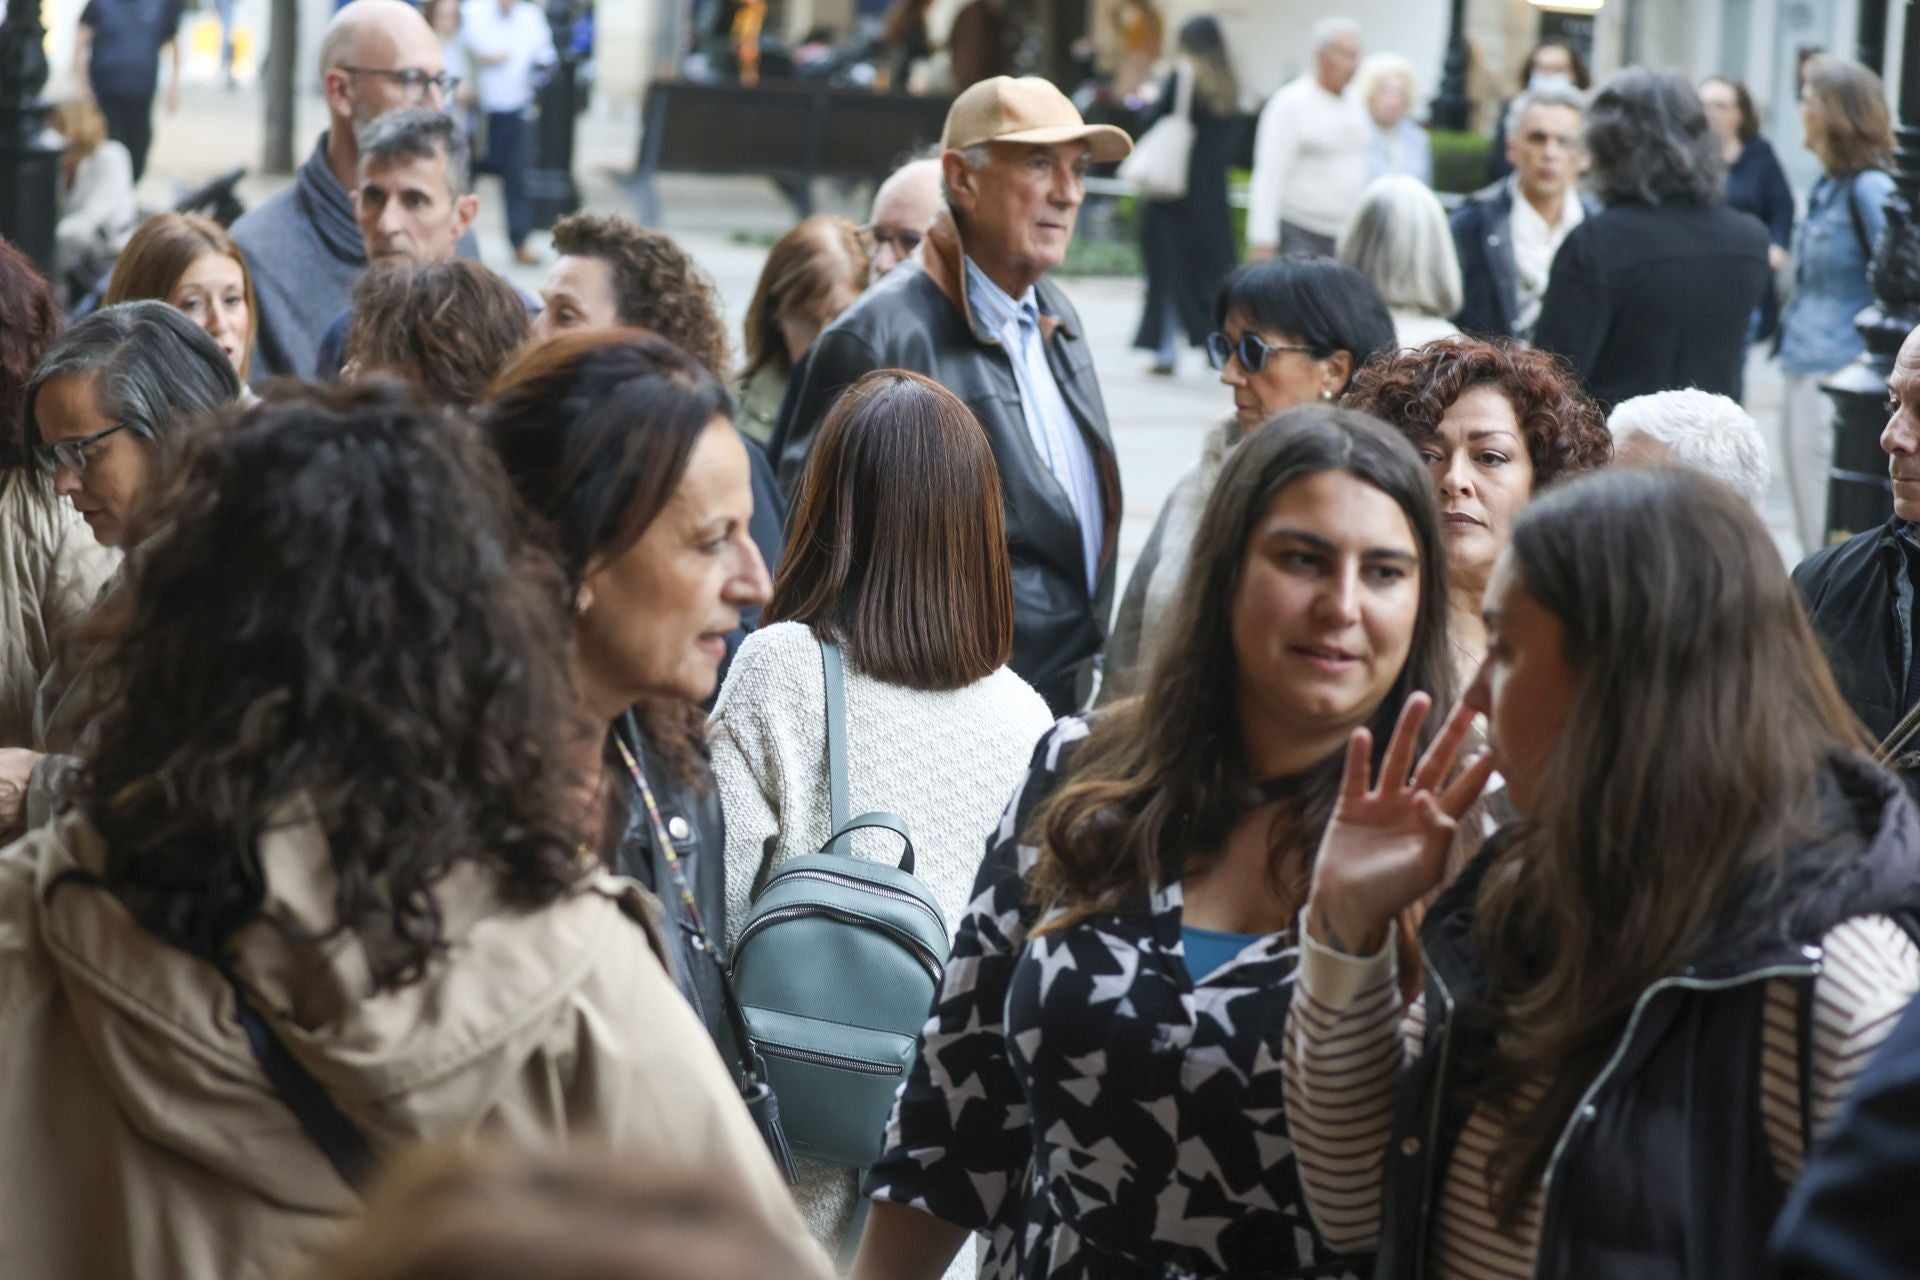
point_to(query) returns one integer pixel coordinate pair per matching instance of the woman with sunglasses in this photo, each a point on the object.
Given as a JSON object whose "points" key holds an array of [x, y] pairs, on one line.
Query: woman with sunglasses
{"points": [[1287, 331]]}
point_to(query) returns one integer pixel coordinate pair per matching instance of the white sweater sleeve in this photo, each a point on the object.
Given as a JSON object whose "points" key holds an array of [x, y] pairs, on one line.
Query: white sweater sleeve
{"points": [[1273, 149], [746, 770]]}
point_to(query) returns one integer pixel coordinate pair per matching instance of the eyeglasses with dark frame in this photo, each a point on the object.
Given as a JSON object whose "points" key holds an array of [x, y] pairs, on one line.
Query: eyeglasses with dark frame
{"points": [[1251, 349], [413, 80], [72, 454], [903, 242]]}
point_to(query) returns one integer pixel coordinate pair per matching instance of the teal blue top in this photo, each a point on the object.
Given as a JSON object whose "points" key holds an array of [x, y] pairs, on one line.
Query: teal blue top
{"points": [[1210, 949]]}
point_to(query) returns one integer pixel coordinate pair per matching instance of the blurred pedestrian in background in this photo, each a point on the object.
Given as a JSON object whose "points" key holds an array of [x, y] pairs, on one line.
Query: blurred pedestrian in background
{"points": [[1287, 332], [1188, 243], [1756, 183], [1400, 241], [1844, 119], [116, 56], [1657, 290], [812, 274], [446, 328], [98, 206], [510, 43], [1310, 152], [1551, 64], [1386, 85], [977, 47], [1507, 233], [191, 263]]}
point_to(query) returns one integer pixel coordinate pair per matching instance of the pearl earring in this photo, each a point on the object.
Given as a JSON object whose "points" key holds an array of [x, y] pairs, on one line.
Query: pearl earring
{"points": [[1326, 393]]}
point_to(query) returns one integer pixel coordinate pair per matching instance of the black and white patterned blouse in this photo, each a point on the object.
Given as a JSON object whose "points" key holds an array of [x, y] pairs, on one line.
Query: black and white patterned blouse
{"points": [[1087, 1106]]}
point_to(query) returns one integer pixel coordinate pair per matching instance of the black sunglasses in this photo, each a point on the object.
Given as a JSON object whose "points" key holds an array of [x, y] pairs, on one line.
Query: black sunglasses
{"points": [[1252, 351]]}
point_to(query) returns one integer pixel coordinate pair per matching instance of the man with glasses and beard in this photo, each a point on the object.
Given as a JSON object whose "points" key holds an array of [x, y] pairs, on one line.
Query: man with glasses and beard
{"points": [[304, 245]]}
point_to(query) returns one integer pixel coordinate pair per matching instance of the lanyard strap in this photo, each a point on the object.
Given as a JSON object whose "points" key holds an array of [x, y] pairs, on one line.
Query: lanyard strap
{"points": [[664, 841]]}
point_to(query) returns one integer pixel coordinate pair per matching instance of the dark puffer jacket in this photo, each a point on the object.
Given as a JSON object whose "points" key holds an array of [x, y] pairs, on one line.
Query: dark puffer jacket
{"points": [[1663, 1169]]}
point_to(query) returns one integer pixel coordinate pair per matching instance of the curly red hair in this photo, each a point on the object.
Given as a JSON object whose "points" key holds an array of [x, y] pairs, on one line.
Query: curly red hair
{"points": [[1565, 431]]}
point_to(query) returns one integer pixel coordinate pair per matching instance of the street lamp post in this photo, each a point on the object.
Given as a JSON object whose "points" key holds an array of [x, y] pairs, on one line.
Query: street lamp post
{"points": [[29, 152], [1451, 107], [1858, 494]]}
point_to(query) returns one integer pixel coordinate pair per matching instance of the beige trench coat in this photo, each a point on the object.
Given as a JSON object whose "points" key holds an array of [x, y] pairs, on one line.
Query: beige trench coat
{"points": [[141, 1140]]}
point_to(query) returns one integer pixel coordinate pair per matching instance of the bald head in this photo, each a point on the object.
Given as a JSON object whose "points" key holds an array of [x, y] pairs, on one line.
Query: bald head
{"points": [[903, 208], [377, 56]]}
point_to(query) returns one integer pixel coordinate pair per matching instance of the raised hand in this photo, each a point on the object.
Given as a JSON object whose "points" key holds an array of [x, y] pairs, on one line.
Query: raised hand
{"points": [[1386, 845]]}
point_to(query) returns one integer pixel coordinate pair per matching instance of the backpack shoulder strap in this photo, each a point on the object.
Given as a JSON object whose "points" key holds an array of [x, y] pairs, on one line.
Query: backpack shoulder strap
{"points": [[835, 671], [1853, 215], [344, 1146]]}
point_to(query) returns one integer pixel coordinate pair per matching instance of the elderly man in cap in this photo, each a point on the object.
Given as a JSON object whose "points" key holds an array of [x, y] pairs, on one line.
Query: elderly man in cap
{"points": [[977, 313]]}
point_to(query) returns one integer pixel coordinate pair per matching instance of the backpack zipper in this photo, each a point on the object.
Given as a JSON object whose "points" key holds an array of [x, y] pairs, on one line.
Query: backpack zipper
{"points": [[920, 951], [835, 877], [865, 1066]]}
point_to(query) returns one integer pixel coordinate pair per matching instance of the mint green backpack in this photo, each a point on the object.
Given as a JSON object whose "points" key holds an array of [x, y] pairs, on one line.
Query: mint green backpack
{"points": [[836, 968]]}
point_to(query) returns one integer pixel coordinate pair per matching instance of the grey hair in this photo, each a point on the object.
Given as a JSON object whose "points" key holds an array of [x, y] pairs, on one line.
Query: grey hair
{"points": [[1327, 30], [1702, 431], [1648, 136], [148, 364], [1399, 239], [419, 133], [1553, 95], [975, 158]]}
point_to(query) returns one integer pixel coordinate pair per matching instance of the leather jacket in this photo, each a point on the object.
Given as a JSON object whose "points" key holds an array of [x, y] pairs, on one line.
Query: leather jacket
{"points": [[692, 817], [1858, 595], [917, 318]]}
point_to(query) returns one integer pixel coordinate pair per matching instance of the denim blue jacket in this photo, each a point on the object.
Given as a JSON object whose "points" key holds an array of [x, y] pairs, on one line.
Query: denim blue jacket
{"points": [[1830, 273]]}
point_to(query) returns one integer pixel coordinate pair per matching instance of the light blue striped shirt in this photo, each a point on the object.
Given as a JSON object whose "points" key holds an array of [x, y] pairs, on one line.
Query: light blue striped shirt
{"points": [[1056, 435]]}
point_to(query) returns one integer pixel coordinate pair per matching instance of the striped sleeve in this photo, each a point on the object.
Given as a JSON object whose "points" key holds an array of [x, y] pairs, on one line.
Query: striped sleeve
{"points": [[1870, 970], [1343, 1054]]}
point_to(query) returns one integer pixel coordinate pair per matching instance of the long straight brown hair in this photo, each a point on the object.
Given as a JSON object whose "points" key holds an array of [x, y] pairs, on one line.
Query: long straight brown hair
{"points": [[897, 548], [1162, 778], [1688, 769]]}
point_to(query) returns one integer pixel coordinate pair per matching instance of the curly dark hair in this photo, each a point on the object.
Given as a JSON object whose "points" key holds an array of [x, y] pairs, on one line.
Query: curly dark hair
{"points": [[596, 428], [1413, 389], [335, 618], [447, 327], [29, 320], [655, 284]]}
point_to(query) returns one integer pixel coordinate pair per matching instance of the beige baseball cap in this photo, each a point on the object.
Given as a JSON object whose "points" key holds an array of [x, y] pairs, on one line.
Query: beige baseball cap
{"points": [[1028, 109]]}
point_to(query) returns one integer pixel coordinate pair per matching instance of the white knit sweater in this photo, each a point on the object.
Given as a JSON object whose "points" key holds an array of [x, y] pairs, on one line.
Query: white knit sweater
{"points": [[946, 762]]}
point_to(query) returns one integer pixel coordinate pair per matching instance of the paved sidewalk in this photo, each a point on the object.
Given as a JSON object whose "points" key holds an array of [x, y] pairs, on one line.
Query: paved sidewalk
{"points": [[1157, 422]]}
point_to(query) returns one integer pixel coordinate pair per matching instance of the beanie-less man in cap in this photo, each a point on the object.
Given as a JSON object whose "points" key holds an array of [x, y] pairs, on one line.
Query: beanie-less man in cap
{"points": [[978, 315]]}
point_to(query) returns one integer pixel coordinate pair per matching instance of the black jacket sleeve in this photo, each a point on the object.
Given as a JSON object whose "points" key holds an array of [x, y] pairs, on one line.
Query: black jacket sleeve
{"points": [[1574, 313], [835, 362], [1851, 1216], [1776, 201]]}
